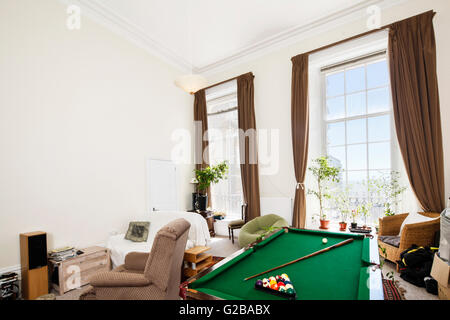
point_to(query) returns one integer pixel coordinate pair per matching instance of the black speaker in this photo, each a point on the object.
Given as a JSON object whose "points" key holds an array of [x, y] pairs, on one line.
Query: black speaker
{"points": [[37, 251]]}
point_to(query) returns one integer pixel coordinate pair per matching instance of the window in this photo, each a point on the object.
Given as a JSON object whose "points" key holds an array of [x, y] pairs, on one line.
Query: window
{"points": [[358, 123], [223, 134]]}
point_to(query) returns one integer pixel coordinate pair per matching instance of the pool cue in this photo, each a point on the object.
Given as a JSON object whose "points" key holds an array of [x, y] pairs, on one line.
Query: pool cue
{"points": [[304, 257]]}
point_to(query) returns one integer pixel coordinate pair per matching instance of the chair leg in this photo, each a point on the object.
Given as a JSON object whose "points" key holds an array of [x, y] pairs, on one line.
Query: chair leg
{"points": [[229, 233], [232, 236]]}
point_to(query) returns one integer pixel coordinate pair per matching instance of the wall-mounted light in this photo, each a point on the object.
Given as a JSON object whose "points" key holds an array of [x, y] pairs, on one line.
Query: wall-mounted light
{"points": [[191, 83]]}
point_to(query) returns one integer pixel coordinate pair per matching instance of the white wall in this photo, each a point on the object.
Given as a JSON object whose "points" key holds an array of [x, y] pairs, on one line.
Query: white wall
{"points": [[80, 112], [273, 87]]}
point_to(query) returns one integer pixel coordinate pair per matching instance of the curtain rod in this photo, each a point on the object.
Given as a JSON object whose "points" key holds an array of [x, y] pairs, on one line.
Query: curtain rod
{"points": [[222, 82], [358, 36]]}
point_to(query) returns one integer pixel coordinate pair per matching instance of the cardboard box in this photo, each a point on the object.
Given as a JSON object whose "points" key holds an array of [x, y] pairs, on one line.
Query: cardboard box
{"points": [[443, 292], [441, 272]]}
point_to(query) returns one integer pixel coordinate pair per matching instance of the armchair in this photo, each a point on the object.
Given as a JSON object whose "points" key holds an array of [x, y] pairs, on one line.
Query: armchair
{"points": [[145, 276], [421, 234]]}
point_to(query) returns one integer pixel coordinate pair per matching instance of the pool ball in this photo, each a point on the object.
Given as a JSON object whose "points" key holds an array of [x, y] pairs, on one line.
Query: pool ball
{"points": [[289, 286], [265, 283], [287, 282], [285, 276], [280, 283], [274, 287], [259, 283], [272, 278], [324, 240], [290, 291], [282, 289]]}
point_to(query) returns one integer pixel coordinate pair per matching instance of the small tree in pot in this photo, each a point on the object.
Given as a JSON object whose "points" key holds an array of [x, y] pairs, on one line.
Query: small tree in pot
{"points": [[325, 174], [205, 177], [342, 203]]}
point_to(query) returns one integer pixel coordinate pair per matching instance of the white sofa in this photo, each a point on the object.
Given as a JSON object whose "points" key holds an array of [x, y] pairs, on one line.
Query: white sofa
{"points": [[198, 234]]}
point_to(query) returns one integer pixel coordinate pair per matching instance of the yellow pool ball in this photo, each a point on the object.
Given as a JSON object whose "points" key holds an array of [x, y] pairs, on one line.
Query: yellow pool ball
{"points": [[324, 240]]}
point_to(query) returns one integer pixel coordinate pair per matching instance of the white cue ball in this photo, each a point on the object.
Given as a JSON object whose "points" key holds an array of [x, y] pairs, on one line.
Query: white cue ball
{"points": [[324, 240]]}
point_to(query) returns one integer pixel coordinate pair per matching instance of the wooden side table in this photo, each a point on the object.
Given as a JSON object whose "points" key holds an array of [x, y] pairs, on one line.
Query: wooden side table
{"points": [[75, 272], [196, 260]]}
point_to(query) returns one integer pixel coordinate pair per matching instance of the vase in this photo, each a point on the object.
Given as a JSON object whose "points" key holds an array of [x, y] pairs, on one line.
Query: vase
{"points": [[342, 226], [324, 224], [201, 202]]}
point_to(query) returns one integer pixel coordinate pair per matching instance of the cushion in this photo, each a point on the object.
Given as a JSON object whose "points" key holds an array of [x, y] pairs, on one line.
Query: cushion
{"points": [[391, 240], [415, 217], [234, 223], [138, 231]]}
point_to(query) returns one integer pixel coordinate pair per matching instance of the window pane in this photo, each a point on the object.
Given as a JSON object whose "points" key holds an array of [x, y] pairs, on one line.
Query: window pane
{"points": [[377, 74], [355, 80], [335, 84], [356, 104], [378, 100], [357, 183], [376, 174], [380, 155], [357, 157], [335, 108], [356, 131], [337, 155], [336, 133], [379, 128]]}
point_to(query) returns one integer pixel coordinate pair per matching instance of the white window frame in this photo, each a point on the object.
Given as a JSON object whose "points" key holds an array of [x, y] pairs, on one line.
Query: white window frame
{"points": [[366, 116], [217, 101]]}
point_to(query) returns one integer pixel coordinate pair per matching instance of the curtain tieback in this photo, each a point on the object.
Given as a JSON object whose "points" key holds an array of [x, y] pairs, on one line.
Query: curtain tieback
{"points": [[300, 185]]}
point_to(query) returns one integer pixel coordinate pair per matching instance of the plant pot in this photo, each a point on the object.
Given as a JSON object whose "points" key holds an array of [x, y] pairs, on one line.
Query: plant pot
{"points": [[343, 226], [353, 225], [201, 202], [324, 224]]}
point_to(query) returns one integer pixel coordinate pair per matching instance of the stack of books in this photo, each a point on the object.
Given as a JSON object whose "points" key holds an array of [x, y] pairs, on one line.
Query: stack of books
{"points": [[62, 254]]}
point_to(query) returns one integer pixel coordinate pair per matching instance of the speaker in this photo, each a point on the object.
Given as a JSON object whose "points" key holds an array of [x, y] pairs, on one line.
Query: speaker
{"points": [[33, 258]]}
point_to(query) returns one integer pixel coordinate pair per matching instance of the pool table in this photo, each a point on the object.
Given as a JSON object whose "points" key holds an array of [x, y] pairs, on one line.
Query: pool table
{"points": [[344, 273]]}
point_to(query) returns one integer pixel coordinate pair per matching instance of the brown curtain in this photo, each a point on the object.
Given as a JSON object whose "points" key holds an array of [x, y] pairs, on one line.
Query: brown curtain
{"points": [[201, 139], [415, 95], [248, 145], [300, 133]]}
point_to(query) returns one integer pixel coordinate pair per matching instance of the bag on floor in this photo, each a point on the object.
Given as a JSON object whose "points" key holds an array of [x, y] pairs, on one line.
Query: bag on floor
{"points": [[415, 264]]}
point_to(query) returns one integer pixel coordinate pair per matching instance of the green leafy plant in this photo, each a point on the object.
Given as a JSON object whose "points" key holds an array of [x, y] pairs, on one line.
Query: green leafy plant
{"points": [[364, 210], [355, 215], [342, 203], [389, 275], [389, 189], [210, 175], [325, 174]]}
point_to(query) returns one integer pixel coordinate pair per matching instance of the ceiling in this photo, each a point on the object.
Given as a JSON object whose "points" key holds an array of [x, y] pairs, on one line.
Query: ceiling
{"points": [[201, 35]]}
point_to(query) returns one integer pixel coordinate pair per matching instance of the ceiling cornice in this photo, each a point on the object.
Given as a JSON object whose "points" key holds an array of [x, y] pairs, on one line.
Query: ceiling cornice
{"points": [[106, 16], [296, 34]]}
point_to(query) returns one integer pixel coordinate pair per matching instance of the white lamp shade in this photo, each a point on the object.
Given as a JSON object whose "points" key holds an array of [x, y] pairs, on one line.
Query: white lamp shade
{"points": [[191, 83]]}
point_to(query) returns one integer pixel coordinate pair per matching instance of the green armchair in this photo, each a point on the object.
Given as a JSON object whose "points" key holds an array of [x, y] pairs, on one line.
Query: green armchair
{"points": [[258, 226]]}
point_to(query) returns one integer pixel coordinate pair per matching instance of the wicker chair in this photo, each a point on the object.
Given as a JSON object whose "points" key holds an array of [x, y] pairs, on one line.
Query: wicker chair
{"points": [[421, 234]]}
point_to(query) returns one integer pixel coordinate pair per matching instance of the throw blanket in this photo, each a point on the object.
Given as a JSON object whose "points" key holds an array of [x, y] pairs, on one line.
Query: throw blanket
{"points": [[198, 234]]}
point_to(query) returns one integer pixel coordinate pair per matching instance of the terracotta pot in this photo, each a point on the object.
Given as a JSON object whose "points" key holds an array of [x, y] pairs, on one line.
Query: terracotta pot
{"points": [[324, 224], [343, 226]]}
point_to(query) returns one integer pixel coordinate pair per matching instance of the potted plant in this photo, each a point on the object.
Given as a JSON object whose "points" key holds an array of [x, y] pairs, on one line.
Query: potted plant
{"points": [[324, 174], [342, 203], [355, 215], [389, 189], [205, 177], [364, 209]]}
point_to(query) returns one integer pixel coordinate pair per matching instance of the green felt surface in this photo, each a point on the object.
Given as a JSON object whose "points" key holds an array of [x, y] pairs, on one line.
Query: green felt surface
{"points": [[341, 273]]}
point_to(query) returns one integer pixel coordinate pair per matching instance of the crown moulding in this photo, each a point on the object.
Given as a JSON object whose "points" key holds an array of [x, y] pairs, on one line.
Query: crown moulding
{"points": [[107, 17]]}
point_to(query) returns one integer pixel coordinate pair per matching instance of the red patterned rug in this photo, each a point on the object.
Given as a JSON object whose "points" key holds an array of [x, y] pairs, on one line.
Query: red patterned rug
{"points": [[392, 290]]}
